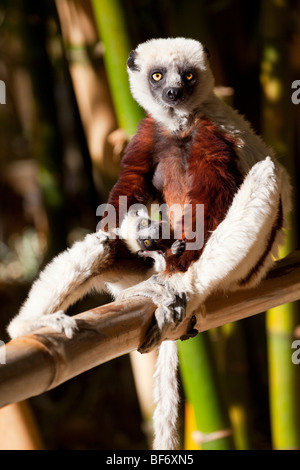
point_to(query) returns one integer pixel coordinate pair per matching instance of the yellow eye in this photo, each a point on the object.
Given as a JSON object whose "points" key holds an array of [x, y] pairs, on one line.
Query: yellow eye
{"points": [[157, 76], [146, 243], [144, 223], [189, 76]]}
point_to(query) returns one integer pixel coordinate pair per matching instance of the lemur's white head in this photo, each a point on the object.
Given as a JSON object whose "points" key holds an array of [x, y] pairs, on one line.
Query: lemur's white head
{"points": [[170, 78]]}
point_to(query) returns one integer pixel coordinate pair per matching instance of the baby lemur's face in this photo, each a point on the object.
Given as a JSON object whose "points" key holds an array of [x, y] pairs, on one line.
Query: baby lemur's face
{"points": [[148, 233], [170, 78], [140, 232]]}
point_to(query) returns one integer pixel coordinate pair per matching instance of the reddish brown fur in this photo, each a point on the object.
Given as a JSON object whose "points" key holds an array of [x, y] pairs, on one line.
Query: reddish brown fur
{"points": [[198, 167], [137, 169], [212, 178]]}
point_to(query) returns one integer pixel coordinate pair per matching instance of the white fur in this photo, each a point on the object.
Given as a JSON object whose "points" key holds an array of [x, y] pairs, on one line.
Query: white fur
{"points": [[128, 230], [166, 397], [65, 280], [159, 262]]}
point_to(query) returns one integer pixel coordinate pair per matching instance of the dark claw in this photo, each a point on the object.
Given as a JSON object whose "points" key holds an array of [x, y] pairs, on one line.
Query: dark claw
{"points": [[191, 331], [179, 307], [154, 335]]}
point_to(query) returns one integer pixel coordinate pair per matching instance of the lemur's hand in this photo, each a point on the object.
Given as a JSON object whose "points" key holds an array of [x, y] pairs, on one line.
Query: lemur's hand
{"points": [[178, 247], [58, 321], [65, 280], [171, 308]]}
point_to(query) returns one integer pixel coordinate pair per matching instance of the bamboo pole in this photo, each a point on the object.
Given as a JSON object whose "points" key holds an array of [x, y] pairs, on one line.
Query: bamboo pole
{"points": [[91, 89], [277, 131], [43, 360], [229, 344], [201, 388], [143, 368], [18, 429], [103, 333], [114, 35]]}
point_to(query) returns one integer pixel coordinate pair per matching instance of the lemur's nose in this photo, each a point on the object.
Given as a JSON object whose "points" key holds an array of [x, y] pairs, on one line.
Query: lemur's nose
{"points": [[174, 93]]}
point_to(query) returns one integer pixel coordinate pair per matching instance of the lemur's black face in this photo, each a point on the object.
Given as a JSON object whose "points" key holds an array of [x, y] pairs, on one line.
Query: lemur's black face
{"points": [[174, 86]]}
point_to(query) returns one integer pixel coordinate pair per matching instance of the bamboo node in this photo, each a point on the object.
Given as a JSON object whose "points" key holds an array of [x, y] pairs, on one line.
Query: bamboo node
{"points": [[202, 310]]}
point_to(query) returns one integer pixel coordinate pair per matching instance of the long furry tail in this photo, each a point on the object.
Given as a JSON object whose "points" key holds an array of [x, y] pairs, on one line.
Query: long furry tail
{"points": [[166, 397]]}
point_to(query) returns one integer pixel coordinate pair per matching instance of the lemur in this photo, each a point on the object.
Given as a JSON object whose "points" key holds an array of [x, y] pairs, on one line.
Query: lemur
{"points": [[192, 149], [144, 236]]}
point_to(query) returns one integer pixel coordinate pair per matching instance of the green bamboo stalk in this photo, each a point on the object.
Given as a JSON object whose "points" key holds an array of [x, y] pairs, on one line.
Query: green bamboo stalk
{"points": [[280, 322], [282, 378], [113, 33], [233, 367], [202, 390]]}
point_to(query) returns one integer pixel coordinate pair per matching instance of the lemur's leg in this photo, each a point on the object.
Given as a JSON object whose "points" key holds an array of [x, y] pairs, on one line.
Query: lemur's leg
{"points": [[242, 245], [242, 248], [70, 276]]}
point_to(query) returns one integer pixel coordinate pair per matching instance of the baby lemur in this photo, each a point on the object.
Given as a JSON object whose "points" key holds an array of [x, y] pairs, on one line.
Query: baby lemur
{"points": [[144, 236], [191, 151]]}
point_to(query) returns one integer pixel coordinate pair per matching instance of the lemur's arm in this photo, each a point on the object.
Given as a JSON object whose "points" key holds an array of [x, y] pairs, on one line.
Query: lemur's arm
{"points": [[78, 270], [134, 185], [66, 279]]}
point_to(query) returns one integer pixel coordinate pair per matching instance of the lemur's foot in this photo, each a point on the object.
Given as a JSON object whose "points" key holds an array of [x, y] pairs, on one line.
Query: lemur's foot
{"points": [[163, 322], [59, 321], [171, 307]]}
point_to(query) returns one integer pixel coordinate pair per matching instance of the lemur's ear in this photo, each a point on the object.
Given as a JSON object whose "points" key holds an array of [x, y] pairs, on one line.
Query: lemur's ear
{"points": [[131, 64], [206, 52]]}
